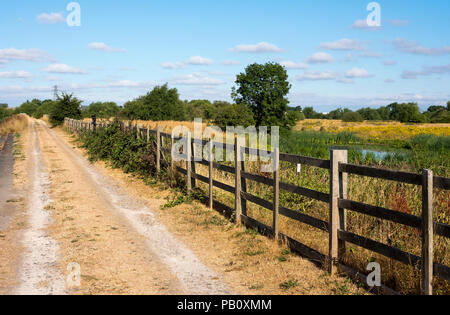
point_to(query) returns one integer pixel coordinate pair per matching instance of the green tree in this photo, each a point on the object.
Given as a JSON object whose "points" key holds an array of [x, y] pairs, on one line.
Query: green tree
{"points": [[234, 115], [161, 103], [66, 105], [5, 112], [384, 112], [44, 109], [28, 107], [369, 114], [310, 113], [101, 110], [352, 117], [448, 106], [263, 88], [406, 113], [200, 109]]}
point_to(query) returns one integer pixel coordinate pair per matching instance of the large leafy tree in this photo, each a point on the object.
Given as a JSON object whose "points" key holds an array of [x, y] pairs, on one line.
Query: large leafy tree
{"points": [[406, 113], [263, 88], [66, 105], [101, 110], [233, 115], [28, 107], [161, 103]]}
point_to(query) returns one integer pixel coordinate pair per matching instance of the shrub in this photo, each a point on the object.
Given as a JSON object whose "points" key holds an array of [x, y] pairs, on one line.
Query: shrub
{"points": [[65, 106], [352, 117], [234, 115]]}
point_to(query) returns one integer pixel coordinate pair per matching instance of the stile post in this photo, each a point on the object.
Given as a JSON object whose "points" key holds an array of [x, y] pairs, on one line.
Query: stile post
{"points": [[158, 150], [276, 192], [427, 232], [336, 157], [148, 135], [343, 179], [188, 161], [237, 175], [211, 174]]}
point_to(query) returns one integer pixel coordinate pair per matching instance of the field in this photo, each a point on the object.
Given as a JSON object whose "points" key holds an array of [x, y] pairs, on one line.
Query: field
{"points": [[430, 150], [381, 130]]}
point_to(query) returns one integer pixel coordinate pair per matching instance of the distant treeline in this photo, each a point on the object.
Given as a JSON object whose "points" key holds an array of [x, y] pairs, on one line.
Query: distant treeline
{"points": [[259, 98], [405, 112]]}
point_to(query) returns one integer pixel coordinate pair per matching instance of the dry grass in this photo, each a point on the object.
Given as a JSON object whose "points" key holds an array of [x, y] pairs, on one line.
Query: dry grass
{"points": [[14, 124], [375, 129], [165, 126]]}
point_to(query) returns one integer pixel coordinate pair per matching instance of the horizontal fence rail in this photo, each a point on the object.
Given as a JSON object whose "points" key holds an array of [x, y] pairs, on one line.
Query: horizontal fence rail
{"points": [[336, 198]]}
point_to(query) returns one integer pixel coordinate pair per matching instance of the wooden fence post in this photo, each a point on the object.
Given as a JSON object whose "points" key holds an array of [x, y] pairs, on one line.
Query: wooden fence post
{"points": [[427, 232], [343, 179], [188, 161], [237, 165], [158, 150], [148, 135], [211, 173], [336, 157], [276, 191]]}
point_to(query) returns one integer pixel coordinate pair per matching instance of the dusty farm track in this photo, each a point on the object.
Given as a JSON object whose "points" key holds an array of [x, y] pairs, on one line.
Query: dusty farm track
{"points": [[111, 225]]}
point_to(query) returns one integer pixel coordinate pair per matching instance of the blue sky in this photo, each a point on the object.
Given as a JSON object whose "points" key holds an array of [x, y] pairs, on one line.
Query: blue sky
{"points": [[124, 48]]}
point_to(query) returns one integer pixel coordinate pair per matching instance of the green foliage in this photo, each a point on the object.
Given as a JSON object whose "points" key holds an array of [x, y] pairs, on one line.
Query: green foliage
{"points": [[44, 109], [160, 104], [294, 116], [338, 113], [101, 110], [406, 113], [28, 107], [234, 115], [264, 89], [5, 112], [352, 117], [66, 106], [438, 114], [123, 150], [370, 114], [310, 113], [200, 109]]}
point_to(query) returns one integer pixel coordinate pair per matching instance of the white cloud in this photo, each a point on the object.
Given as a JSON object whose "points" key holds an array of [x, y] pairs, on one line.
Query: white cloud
{"points": [[194, 79], [262, 47], [362, 25], [294, 65], [198, 60], [316, 76], [173, 65], [8, 54], [230, 62], [50, 18], [320, 57], [342, 44], [426, 71], [193, 61], [357, 73], [103, 47], [411, 47], [63, 68], [16, 75]]}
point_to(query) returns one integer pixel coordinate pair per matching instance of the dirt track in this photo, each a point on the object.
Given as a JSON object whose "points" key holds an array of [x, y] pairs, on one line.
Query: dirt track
{"points": [[74, 213]]}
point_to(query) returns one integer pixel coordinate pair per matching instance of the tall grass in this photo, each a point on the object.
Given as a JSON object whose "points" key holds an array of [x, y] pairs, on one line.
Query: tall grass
{"points": [[14, 124]]}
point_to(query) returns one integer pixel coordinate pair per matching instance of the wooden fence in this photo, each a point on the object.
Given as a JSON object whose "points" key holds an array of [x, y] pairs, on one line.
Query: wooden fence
{"points": [[339, 168]]}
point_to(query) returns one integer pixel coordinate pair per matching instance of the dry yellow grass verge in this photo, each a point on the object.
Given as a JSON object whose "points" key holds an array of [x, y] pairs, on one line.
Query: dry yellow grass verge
{"points": [[14, 124]]}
